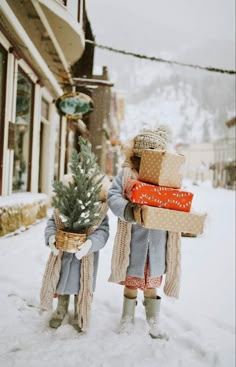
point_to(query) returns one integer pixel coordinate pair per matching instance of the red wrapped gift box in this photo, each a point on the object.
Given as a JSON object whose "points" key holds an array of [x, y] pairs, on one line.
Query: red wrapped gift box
{"points": [[163, 197]]}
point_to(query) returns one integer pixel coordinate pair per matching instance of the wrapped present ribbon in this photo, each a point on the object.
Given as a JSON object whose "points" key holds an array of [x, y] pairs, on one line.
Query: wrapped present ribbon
{"points": [[163, 197]]}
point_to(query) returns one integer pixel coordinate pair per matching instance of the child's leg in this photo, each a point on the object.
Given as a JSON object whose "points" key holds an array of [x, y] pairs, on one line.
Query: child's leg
{"points": [[74, 321], [152, 303], [129, 304], [75, 306], [60, 312], [150, 293], [130, 292]]}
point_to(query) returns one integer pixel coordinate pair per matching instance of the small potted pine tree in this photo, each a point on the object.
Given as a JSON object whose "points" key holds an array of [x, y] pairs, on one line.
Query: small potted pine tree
{"points": [[77, 205]]}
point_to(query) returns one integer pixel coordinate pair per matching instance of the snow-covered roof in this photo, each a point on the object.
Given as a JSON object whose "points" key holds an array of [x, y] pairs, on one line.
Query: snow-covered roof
{"points": [[21, 199]]}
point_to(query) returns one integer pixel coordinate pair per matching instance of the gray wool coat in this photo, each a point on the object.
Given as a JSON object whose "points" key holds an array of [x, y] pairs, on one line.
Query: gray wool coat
{"points": [[69, 281], [151, 242]]}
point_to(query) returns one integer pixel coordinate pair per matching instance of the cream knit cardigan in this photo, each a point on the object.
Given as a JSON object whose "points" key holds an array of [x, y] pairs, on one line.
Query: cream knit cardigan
{"points": [[121, 250], [52, 275]]}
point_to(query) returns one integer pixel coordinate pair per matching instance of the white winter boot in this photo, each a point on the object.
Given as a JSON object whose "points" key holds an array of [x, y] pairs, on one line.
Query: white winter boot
{"points": [[127, 318], [152, 308]]}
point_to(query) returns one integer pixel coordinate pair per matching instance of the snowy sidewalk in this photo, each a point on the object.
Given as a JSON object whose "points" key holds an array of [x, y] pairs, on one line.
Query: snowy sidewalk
{"points": [[200, 324]]}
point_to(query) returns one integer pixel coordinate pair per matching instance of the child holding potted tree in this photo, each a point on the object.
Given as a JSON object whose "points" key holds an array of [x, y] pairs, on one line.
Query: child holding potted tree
{"points": [[76, 232]]}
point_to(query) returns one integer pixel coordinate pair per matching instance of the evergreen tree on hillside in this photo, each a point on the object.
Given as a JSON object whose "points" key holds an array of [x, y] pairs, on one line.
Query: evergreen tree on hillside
{"points": [[78, 202]]}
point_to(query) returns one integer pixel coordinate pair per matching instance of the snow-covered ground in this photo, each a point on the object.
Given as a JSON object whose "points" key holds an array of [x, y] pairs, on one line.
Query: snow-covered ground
{"points": [[201, 325]]}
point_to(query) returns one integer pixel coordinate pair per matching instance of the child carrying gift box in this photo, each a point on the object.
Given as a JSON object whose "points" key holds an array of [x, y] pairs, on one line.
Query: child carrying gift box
{"points": [[142, 256]]}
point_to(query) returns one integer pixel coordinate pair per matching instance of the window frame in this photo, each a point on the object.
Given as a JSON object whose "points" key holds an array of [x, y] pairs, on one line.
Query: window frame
{"points": [[2, 116], [31, 126]]}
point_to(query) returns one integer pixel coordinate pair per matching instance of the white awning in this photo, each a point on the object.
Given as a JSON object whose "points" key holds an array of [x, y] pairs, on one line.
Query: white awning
{"points": [[67, 31]]}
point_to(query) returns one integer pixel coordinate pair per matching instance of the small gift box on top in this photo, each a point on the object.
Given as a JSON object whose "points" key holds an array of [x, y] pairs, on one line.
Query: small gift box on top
{"points": [[169, 220], [162, 168], [163, 197]]}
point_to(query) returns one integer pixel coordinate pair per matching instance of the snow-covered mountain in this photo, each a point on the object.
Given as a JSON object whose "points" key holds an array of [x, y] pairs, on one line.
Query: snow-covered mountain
{"points": [[194, 104]]}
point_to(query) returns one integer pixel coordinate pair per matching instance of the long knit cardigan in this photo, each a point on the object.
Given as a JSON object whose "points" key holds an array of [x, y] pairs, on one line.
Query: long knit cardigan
{"points": [[121, 249], [52, 275]]}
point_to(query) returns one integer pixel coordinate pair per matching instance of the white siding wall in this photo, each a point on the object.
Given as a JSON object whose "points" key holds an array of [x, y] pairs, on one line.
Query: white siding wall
{"points": [[48, 154], [9, 116], [72, 7]]}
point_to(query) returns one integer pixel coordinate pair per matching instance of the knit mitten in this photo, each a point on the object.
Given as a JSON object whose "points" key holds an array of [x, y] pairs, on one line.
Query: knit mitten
{"points": [[84, 249], [129, 212]]}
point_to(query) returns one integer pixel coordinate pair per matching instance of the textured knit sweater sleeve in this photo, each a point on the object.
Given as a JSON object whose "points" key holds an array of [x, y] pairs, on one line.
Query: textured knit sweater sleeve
{"points": [[100, 236], [50, 229], [116, 201]]}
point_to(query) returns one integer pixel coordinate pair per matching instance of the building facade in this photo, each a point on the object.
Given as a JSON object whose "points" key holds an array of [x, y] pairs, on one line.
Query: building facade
{"points": [[43, 55], [39, 41], [103, 123]]}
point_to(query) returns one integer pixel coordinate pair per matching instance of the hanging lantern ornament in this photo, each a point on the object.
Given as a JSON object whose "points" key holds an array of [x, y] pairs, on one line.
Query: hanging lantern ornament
{"points": [[74, 105]]}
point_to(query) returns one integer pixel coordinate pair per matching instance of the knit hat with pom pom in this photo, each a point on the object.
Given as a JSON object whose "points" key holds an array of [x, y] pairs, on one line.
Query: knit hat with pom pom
{"points": [[151, 139]]}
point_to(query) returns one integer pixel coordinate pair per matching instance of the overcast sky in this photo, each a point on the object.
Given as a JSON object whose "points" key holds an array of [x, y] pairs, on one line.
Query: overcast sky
{"points": [[202, 18], [154, 26]]}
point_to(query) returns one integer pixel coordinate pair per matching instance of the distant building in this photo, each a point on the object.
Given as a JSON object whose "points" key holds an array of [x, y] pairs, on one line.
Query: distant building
{"points": [[103, 123], [224, 166], [116, 118], [101, 127], [199, 158]]}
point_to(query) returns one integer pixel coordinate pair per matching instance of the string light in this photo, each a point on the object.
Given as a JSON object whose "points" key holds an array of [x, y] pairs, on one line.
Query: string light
{"points": [[158, 59]]}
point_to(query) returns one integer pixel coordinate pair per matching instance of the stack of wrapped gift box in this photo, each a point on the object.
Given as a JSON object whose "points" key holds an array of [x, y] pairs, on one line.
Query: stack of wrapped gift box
{"points": [[161, 202]]}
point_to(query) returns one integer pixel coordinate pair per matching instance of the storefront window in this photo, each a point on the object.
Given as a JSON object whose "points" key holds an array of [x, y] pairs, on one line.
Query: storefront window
{"points": [[22, 149], [3, 64], [3, 68]]}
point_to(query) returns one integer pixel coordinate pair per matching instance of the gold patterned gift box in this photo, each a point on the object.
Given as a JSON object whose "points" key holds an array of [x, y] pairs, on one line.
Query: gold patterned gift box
{"points": [[170, 220], [161, 168]]}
